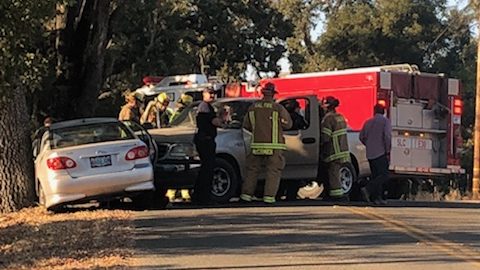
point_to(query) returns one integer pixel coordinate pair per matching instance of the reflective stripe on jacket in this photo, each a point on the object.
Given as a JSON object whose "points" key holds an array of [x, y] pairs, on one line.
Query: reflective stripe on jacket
{"points": [[266, 120], [334, 138]]}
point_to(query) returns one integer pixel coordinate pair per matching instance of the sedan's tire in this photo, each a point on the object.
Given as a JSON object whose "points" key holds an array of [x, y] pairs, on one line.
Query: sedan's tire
{"points": [[225, 181], [41, 195]]}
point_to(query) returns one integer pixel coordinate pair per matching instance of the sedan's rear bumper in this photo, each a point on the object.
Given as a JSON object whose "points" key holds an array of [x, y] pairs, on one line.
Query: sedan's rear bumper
{"points": [[63, 188]]}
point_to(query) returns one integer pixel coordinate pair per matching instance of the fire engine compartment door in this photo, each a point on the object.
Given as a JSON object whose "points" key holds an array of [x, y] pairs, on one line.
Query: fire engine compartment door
{"points": [[414, 151], [301, 157]]}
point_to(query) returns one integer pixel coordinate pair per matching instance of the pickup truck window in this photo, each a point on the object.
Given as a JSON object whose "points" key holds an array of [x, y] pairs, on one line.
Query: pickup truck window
{"points": [[299, 110], [233, 113]]}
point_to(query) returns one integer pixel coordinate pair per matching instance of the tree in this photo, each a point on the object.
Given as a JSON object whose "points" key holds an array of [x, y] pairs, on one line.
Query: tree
{"points": [[22, 24], [367, 33], [169, 37], [82, 34]]}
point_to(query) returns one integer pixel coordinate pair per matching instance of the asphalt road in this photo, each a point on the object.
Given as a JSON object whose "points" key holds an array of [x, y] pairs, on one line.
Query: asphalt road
{"points": [[311, 235]]}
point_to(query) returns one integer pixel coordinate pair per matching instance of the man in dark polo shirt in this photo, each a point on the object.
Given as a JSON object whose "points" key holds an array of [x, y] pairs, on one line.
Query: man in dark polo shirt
{"points": [[207, 123]]}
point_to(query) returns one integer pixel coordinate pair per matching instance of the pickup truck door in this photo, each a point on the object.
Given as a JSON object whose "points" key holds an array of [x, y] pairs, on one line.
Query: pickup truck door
{"points": [[302, 155]]}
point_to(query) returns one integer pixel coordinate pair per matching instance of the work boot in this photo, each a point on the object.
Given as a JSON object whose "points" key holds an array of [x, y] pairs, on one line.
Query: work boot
{"points": [[245, 198], [269, 199], [365, 194]]}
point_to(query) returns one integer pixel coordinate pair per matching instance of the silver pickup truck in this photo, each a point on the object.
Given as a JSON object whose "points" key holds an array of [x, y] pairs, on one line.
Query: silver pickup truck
{"points": [[178, 161]]}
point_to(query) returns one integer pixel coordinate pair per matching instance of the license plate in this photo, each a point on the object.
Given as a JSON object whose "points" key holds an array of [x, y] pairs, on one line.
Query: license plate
{"points": [[100, 161]]}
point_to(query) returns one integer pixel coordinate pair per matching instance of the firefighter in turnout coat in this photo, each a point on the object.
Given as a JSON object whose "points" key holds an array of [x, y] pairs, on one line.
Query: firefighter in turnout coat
{"points": [[334, 146], [266, 120]]}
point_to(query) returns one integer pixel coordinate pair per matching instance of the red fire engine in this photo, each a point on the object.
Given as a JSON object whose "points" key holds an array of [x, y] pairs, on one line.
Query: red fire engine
{"points": [[425, 110]]}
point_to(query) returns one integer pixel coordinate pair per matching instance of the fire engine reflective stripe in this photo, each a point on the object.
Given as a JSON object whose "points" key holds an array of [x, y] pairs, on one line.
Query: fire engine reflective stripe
{"points": [[275, 127], [327, 131], [268, 199], [336, 192], [280, 146], [246, 197]]}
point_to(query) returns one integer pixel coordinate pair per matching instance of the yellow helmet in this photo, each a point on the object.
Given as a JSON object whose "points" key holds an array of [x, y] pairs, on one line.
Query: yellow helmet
{"points": [[163, 97], [185, 99]]}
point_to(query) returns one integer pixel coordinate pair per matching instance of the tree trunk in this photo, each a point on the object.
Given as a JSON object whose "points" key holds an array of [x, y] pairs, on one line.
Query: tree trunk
{"points": [[81, 52], [17, 186]]}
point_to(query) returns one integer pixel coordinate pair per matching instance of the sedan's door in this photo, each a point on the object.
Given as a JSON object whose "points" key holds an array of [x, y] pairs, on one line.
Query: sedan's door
{"points": [[302, 140]]}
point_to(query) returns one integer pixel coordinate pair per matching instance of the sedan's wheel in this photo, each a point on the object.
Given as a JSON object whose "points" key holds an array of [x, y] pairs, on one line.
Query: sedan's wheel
{"points": [[225, 181], [311, 191], [347, 177]]}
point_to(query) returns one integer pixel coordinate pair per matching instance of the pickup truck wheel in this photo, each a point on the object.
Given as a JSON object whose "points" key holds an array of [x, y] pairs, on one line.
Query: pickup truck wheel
{"points": [[225, 181], [348, 177]]}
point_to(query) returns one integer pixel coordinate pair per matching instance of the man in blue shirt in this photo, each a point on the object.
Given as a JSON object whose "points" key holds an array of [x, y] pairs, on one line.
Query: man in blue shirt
{"points": [[376, 135]]}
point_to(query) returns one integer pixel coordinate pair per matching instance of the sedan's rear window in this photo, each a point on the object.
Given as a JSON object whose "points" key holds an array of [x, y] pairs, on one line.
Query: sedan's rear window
{"points": [[86, 134]]}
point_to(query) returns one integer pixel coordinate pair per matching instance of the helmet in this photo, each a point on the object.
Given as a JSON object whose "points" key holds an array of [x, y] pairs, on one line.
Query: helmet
{"points": [[268, 89], [331, 102], [185, 99], [163, 97]]}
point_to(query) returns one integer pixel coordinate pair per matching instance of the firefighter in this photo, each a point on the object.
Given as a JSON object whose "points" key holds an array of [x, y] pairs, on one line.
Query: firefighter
{"points": [[266, 120], [184, 194], [130, 111], [157, 113], [204, 139], [181, 104], [334, 146]]}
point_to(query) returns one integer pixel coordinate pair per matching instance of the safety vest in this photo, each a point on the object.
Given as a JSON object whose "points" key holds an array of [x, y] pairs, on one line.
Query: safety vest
{"points": [[265, 120], [334, 138]]}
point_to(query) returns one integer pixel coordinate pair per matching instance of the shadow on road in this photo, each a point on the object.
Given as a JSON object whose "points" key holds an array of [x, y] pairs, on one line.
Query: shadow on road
{"points": [[299, 229]]}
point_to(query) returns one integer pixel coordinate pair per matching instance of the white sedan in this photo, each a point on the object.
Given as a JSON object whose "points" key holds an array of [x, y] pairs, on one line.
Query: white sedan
{"points": [[87, 159]]}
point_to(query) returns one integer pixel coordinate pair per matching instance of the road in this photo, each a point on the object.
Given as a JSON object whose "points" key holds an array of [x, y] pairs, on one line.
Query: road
{"points": [[311, 235]]}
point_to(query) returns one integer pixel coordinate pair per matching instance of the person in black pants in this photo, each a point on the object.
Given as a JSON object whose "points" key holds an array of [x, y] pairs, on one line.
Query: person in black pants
{"points": [[207, 123], [376, 135]]}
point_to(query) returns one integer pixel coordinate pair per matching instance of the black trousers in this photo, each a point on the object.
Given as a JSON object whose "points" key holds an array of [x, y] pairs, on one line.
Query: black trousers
{"points": [[379, 170], [203, 185]]}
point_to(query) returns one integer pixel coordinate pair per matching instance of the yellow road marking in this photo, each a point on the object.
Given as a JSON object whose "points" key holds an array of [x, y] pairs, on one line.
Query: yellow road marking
{"points": [[453, 249]]}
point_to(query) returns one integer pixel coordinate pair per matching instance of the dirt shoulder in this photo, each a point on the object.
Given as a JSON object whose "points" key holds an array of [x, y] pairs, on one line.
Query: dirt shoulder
{"points": [[36, 239]]}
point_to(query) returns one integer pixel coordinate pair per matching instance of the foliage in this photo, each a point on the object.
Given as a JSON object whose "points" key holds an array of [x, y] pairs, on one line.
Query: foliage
{"points": [[22, 33], [217, 37]]}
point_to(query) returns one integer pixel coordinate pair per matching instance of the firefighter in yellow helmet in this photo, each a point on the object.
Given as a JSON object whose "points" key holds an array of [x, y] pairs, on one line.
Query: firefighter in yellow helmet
{"points": [[180, 105], [157, 112], [266, 120], [334, 146], [131, 110]]}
